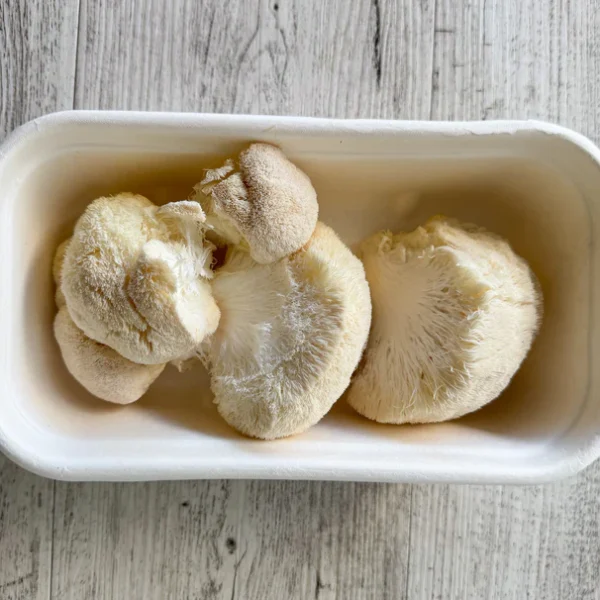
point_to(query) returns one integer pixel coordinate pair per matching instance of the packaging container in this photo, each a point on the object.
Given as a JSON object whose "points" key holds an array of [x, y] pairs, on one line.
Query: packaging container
{"points": [[534, 183]]}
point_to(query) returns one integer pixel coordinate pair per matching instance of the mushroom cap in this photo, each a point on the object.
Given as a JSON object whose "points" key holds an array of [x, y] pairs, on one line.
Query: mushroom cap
{"points": [[98, 368], [264, 202], [455, 312], [135, 277], [290, 336]]}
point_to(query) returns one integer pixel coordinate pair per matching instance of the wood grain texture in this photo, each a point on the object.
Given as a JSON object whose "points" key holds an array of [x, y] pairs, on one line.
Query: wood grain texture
{"points": [[240, 540], [37, 67], [501, 60], [145, 541], [473, 542], [25, 533], [259, 540], [179, 56], [346, 59], [323, 541], [37, 59]]}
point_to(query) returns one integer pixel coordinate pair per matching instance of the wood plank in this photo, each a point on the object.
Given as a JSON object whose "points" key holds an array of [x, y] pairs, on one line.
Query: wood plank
{"points": [[259, 56], [323, 540], [499, 59], [37, 59], [266, 540], [144, 540], [178, 56], [26, 505], [347, 59], [503, 542], [37, 67]]}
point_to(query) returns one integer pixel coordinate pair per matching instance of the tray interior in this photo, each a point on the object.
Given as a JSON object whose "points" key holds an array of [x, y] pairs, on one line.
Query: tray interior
{"points": [[539, 210]]}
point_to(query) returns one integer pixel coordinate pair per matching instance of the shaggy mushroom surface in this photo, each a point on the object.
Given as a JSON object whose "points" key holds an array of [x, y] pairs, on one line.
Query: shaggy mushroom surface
{"points": [[290, 336], [455, 312], [135, 277]]}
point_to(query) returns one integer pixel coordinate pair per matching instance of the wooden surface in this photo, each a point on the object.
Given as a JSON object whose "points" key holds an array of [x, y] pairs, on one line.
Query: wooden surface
{"points": [[439, 59]]}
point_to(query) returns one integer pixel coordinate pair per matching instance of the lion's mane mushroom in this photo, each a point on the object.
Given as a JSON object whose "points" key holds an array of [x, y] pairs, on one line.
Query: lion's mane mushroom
{"points": [[135, 278], [455, 312], [262, 202], [290, 336], [98, 368]]}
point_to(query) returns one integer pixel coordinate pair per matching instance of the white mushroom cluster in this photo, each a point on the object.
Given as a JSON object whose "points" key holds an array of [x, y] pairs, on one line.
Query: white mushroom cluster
{"points": [[425, 326], [295, 304], [281, 324]]}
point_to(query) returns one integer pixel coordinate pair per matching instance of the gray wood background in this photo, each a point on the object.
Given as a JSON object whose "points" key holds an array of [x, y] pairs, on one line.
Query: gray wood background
{"points": [[406, 59]]}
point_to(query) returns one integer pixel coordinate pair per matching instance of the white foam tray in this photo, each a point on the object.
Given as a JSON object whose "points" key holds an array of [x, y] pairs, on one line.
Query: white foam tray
{"points": [[536, 184]]}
